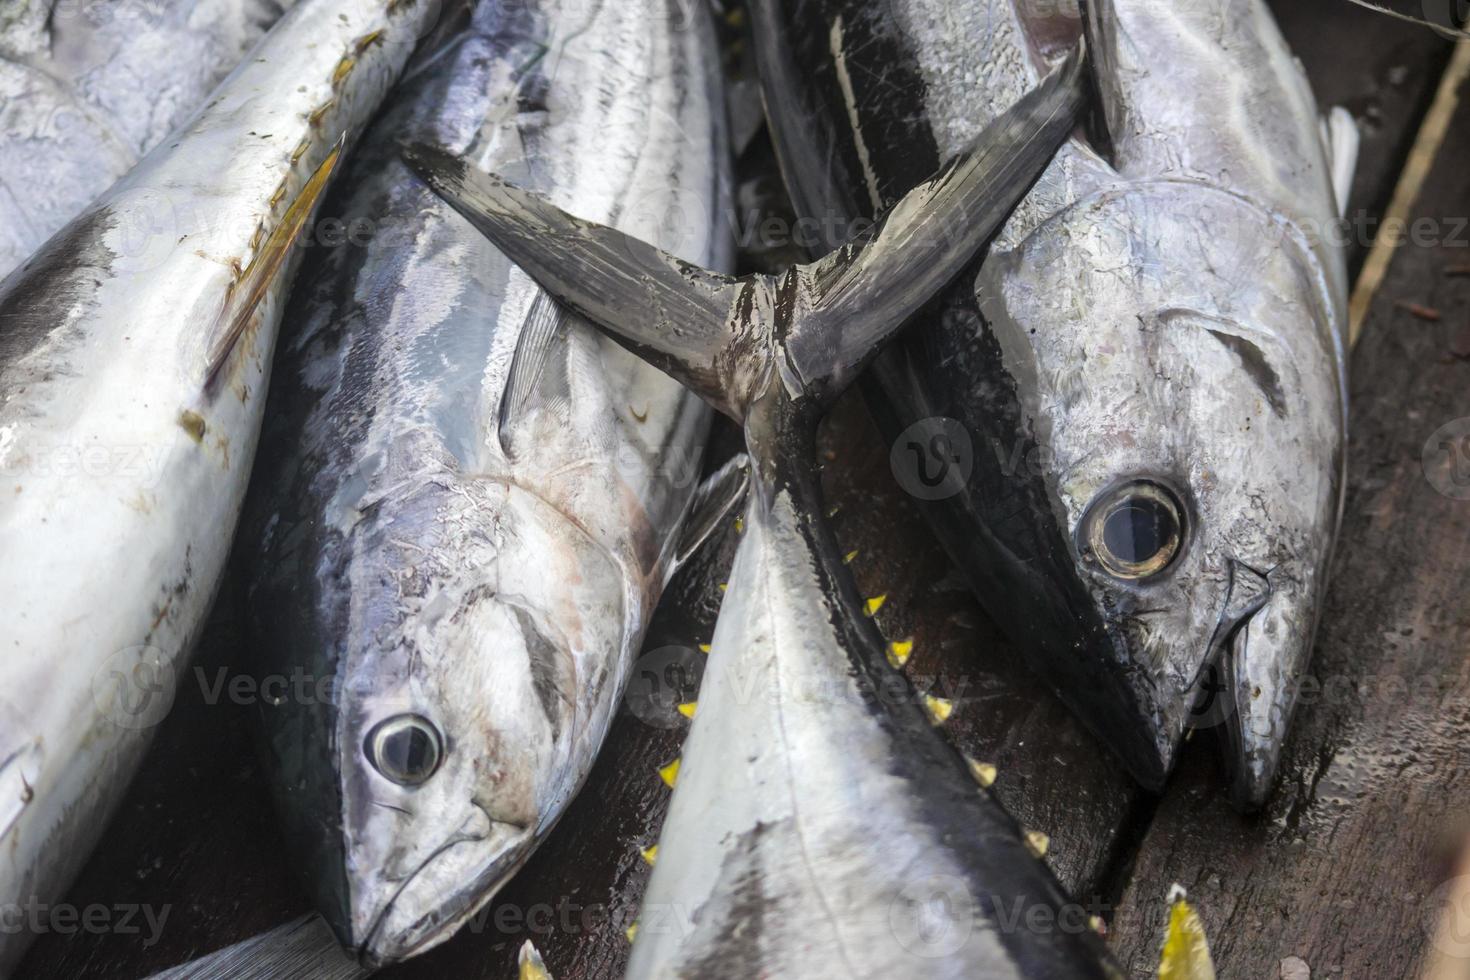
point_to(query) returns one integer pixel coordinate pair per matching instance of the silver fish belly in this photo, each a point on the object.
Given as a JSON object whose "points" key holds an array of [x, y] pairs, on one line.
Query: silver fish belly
{"points": [[474, 496], [86, 89], [134, 352], [1150, 365]]}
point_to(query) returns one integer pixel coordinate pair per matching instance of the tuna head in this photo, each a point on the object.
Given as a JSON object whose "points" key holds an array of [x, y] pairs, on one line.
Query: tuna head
{"points": [[469, 708], [1174, 338]]}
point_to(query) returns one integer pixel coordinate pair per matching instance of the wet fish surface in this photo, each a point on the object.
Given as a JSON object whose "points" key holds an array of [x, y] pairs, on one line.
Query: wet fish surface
{"points": [[819, 825], [87, 88], [473, 499], [134, 352], [1127, 426]]}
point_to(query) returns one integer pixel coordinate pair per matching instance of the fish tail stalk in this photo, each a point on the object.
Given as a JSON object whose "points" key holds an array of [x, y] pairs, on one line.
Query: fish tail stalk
{"points": [[133, 366], [812, 831]]}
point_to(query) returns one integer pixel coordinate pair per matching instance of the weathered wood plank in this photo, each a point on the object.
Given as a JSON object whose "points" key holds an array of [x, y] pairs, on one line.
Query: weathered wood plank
{"points": [[1341, 871]]}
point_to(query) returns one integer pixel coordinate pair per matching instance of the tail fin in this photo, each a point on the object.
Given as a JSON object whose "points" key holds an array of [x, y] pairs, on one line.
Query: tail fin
{"points": [[822, 322]]}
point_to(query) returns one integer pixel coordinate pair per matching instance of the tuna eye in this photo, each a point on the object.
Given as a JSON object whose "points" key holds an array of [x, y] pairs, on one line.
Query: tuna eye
{"points": [[1134, 531], [406, 749]]}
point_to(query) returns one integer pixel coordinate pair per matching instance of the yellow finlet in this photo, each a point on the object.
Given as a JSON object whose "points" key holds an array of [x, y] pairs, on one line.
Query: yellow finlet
{"points": [[1096, 923], [739, 525], [688, 708], [367, 40], [724, 586], [532, 967], [631, 932], [669, 773], [247, 292], [847, 558], [650, 853], [875, 603], [1037, 843], [938, 709], [899, 652], [704, 648], [343, 69], [1186, 954], [983, 772]]}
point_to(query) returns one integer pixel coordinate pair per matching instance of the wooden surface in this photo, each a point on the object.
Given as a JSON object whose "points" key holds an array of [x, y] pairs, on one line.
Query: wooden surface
{"points": [[1337, 872]]}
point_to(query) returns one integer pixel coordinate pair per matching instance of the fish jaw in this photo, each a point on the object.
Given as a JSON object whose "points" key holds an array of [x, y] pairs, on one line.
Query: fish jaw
{"points": [[1203, 364], [1266, 664], [398, 919]]}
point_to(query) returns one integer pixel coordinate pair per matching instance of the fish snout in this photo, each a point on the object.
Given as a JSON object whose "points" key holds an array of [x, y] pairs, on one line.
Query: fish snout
{"points": [[393, 920], [1267, 661]]}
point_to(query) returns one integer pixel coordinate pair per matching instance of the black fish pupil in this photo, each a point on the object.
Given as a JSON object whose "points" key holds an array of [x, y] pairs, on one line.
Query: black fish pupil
{"points": [[409, 751], [1137, 530]]}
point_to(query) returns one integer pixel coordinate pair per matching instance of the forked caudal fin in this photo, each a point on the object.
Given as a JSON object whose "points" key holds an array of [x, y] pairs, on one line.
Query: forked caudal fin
{"points": [[818, 324]]}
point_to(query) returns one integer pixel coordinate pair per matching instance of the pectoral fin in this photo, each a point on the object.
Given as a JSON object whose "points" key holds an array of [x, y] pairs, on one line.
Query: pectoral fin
{"points": [[717, 498], [543, 329], [1341, 136]]}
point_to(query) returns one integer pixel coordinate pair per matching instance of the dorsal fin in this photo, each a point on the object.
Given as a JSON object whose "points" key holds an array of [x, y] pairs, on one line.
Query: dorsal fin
{"points": [[722, 337], [542, 329]]}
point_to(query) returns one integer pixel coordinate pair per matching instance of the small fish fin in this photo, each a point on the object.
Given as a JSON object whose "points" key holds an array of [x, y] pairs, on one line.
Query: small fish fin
{"points": [[303, 947], [544, 326], [247, 291], [532, 966], [19, 773], [720, 494], [1186, 953], [1341, 137], [675, 315], [861, 294]]}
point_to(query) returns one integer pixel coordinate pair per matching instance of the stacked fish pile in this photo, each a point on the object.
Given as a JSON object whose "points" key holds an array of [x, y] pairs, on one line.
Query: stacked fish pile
{"points": [[493, 239]]}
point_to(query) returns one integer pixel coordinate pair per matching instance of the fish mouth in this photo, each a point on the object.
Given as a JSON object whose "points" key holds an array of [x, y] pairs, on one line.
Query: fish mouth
{"points": [[435, 901]]}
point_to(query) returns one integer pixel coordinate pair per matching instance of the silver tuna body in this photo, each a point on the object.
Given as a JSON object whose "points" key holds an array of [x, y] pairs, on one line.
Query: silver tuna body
{"points": [[1176, 322], [1150, 364], [470, 547], [124, 464], [86, 89]]}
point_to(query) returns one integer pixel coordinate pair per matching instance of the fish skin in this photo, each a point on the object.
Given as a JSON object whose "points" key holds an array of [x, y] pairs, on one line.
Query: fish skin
{"points": [[1114, 311], [123, 471], [86, 89], [494, 580], [819, 825]]}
